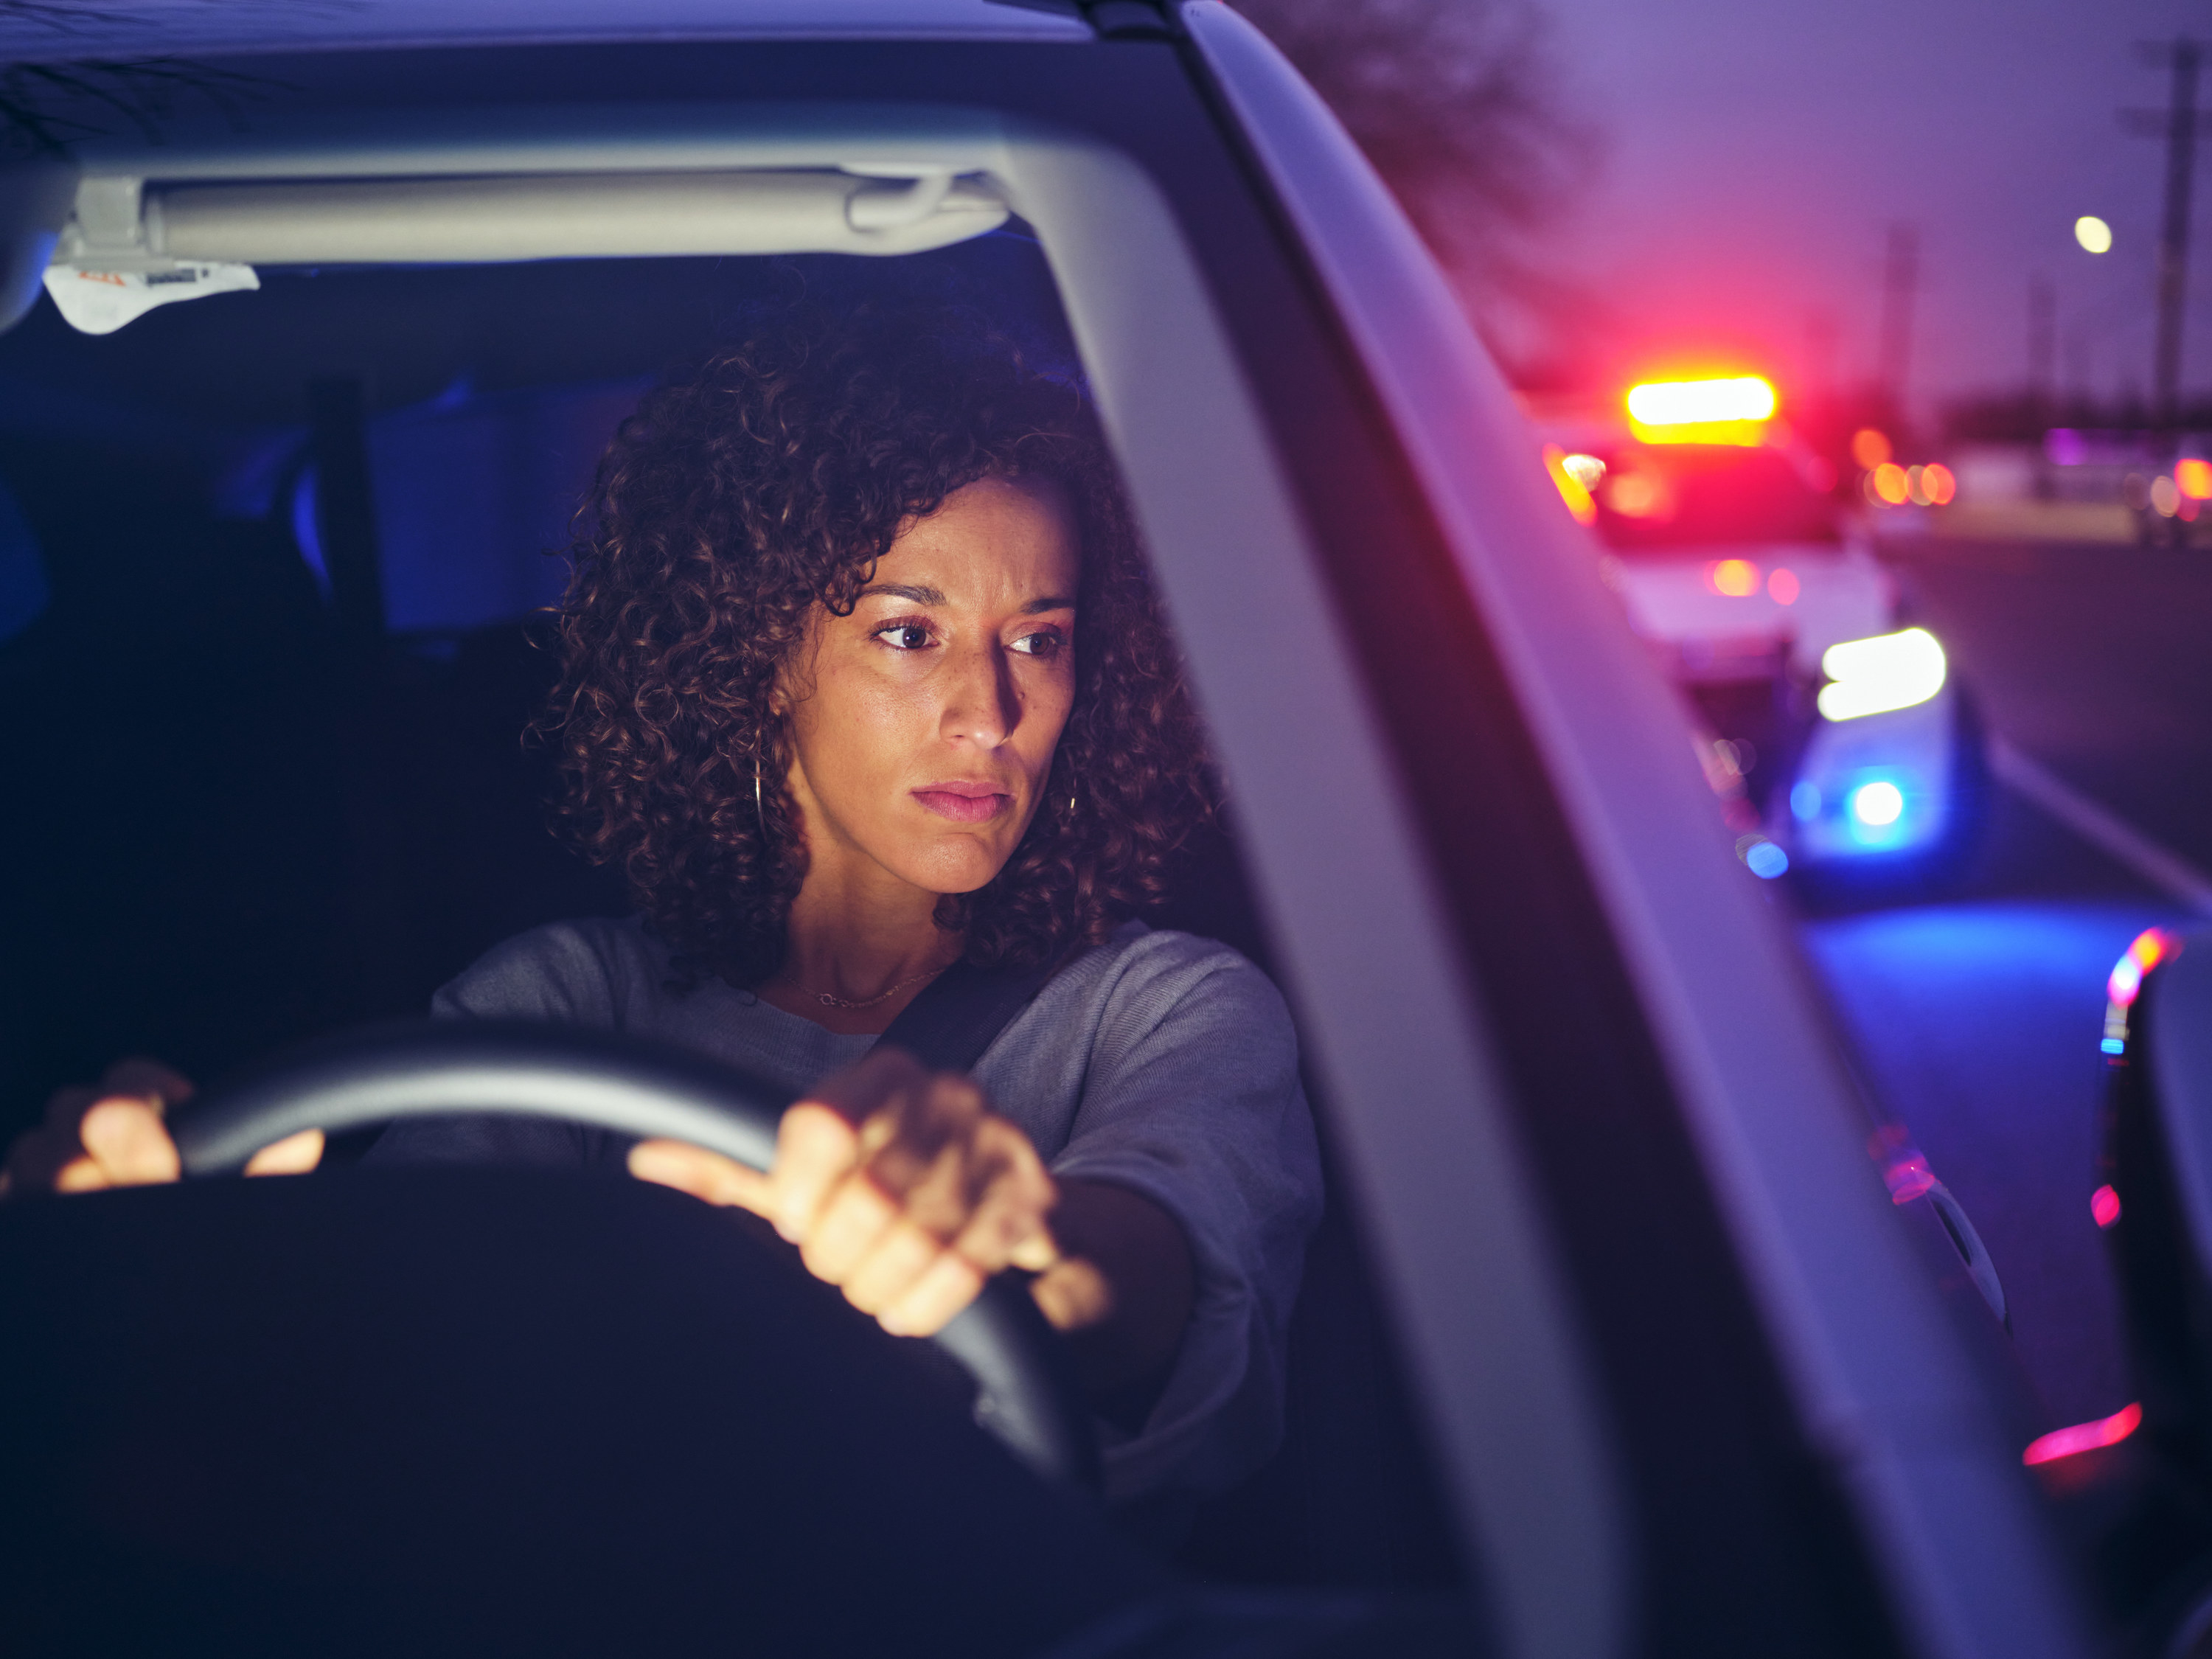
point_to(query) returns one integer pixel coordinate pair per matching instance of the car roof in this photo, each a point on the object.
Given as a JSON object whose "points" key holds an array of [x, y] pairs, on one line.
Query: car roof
{"points": [[57, 34]]}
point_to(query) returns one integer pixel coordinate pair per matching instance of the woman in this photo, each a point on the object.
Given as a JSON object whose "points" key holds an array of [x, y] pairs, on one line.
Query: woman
{"points": [[862, 679]]}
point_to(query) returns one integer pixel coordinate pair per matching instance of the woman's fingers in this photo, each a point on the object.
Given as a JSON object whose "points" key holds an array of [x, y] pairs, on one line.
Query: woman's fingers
{"points": [[113, 1136], [850, 1225], [949, 1284], [901, 1256], [1075, 1295], [899, 1187], [125, 1138], [817, 1147], [982, 1206], [706, 1176], [293, 1155]]}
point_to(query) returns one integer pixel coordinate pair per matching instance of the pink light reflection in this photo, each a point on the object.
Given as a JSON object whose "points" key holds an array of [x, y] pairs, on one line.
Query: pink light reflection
{"points": [[2083, 1437]]}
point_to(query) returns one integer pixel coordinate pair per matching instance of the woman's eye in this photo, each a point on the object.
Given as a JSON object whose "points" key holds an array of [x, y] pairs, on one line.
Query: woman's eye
{"points": [[904, 636], [1040, 644]]}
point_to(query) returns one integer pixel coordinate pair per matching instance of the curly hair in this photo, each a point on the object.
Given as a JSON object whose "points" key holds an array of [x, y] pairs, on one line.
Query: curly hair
{"points": [[768, 480]]}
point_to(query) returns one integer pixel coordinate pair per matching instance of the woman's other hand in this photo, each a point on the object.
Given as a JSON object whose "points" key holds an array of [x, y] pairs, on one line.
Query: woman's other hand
{"points": [[113, 1136]]}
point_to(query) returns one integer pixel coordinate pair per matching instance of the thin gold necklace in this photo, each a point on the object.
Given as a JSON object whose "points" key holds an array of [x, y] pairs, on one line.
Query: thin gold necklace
{"points": [[830, 999]]}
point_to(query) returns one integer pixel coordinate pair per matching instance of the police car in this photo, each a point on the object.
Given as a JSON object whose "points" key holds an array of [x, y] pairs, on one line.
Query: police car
{"points": [[1837, 735]]}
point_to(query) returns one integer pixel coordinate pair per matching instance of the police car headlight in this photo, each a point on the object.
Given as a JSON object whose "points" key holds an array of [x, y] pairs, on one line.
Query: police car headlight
{"points": [[1872, 677]]}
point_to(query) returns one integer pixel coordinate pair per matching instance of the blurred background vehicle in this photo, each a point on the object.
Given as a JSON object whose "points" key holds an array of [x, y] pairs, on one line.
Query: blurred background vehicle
{"points": [[1837, 734]]}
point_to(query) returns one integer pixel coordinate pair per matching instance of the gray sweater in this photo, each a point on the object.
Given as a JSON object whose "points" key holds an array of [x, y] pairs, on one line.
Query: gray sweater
{"points": [[1157, 1061]]}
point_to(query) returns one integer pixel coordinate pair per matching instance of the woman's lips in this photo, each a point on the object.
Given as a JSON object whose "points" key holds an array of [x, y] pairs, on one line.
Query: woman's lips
{"points": [[962, 802]]}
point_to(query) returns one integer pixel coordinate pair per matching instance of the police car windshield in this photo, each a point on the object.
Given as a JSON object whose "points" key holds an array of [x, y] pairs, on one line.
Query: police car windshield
{"points": [[1671, 495]]}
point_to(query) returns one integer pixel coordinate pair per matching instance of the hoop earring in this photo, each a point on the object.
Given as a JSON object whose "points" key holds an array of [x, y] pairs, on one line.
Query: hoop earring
{"points": [[760, 813]]}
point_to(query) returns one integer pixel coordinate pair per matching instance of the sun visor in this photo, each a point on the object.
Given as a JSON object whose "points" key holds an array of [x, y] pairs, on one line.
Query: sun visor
{"points": [[129, 246]]}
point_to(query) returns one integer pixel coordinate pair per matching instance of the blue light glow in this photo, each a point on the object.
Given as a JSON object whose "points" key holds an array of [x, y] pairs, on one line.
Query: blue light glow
{"points": [[2114, 1046], [306, 533], [1767, 860], [1805, 801], [1878, 804]]}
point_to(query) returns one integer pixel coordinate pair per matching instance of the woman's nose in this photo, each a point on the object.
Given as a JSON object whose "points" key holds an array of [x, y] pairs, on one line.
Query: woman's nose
{"points": [[982, 704]]}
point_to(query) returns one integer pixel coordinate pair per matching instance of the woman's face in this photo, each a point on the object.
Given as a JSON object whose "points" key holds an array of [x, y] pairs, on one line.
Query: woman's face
{"points": [[924, 723]]}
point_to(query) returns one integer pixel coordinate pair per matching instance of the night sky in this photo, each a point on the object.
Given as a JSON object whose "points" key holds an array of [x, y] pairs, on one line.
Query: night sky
{"points": [[1754, 152]]}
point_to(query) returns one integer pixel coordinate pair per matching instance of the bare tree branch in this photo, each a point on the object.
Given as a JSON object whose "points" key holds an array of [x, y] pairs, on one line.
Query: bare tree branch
{"points": [[44, 107], [1458, 105]]}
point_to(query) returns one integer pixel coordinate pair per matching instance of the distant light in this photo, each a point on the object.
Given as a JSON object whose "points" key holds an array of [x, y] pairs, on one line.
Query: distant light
{"points": [[2165, 496], [1584, 469], [1889, 484], [2194, 479], [1872, 677], [1916, 486], [1737, 578], [1870, 447], [1730, 410], [2145, 951], [2084, 1436], [1877, 805], [2125, 983], [1639, 493], [2093, 233], [2105, 1206], [1767, 860], [1805, 801], [2064, 446], [1781, 586], [1938, 483], [1573, 489]]}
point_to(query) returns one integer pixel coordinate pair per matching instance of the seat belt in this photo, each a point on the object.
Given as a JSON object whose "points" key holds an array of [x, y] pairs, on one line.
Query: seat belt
{"points": [[960, 1013]]}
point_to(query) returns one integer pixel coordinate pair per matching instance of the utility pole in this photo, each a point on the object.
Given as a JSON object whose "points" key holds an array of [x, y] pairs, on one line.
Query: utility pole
{"points": [[2042, 346], [1822, 336], [2180, 124], [1900, 277]]}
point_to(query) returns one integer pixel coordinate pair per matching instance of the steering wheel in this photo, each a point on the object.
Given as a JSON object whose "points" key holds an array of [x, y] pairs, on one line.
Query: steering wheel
{"points": [[1026, 1393]]}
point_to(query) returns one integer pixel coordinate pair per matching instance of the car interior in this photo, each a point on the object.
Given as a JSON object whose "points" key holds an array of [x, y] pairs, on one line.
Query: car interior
{"points": [[288, 557]]}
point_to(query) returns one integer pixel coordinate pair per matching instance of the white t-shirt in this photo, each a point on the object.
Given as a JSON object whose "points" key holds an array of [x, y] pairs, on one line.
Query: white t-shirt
{"points": [[1157, 1061]]}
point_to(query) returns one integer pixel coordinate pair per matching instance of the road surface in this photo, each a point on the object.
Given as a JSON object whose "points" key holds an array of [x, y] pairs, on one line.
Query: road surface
{"points": [[1978, 1009]]}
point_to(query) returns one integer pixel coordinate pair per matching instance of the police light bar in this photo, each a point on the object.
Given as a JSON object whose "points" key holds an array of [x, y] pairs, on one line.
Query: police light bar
{"points": [[1872, 677], [1730, 410]]}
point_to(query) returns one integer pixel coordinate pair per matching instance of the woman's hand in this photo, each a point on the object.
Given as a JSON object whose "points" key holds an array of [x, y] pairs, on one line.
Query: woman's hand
{"points": [[897, 1184], [113, 1136], [901, 1188]]}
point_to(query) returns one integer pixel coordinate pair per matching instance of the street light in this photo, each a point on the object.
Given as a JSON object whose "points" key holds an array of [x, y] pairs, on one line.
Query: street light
{"points": [[2093, 233]]}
